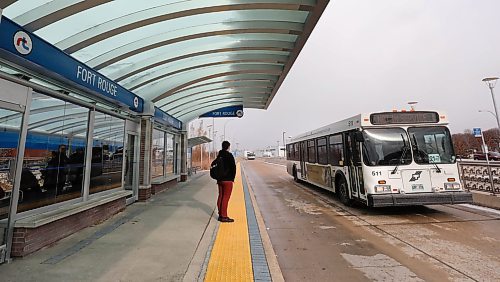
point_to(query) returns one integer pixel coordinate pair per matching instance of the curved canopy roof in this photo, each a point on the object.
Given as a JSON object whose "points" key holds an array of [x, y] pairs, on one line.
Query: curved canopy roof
{"points": [[188, 57]]}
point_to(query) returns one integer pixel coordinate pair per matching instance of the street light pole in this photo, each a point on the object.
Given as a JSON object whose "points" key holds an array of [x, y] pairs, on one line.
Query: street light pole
{"points": [[492, 113], [491, 82], [225, 128], [209, 151]]}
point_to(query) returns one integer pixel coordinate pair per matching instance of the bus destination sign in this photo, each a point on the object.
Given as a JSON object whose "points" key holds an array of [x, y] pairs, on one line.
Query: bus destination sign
{"points": [[404, 118]]}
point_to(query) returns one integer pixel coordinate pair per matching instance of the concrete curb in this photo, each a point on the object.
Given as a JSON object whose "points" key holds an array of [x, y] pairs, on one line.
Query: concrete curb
{"points": [[272, 261], [199, 262], [486, 199]]}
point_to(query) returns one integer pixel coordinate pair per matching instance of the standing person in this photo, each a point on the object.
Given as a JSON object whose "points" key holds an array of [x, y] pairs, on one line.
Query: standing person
{"points": [[226, 182]]}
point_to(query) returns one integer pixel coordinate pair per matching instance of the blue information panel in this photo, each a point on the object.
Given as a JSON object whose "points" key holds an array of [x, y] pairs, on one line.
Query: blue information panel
{"points": [[476, 132], [166, 119], [232, 111], [30, 51]]}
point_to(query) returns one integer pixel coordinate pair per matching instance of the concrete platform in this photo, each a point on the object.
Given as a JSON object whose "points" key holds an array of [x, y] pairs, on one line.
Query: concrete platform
{"points": [[172, 237], [156, 240]]}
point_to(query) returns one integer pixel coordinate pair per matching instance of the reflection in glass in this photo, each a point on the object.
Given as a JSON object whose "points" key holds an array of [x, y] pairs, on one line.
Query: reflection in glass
{"points": [[107, 153], [158, 153], [10, 123], [432, 145], [54, 158], [388, 146]]}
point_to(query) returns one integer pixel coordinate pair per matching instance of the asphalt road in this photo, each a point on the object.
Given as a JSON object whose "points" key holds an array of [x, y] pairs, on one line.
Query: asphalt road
{"points": [[316, 238]]}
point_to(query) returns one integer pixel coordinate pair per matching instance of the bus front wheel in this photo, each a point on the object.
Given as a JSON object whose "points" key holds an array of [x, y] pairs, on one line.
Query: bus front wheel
{"points": [[343, 193]]}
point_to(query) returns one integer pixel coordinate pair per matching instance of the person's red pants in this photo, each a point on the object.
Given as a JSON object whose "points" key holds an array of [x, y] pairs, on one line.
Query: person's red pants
{"points": [[225, 189]]}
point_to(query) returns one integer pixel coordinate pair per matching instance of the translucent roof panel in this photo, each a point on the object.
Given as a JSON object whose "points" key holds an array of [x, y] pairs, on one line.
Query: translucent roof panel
{"points": [[187, 56]]}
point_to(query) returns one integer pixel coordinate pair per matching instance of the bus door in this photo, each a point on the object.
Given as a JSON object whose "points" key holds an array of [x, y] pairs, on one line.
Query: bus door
{"points": [[303, 159], [354, 161]]}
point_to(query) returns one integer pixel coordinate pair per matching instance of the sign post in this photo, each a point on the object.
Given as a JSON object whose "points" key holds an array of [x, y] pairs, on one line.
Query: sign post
{"points": [[478, 133]]}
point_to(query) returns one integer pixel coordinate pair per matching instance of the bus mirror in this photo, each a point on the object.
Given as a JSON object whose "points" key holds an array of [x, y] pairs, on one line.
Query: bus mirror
{"points": [[359, 137]]}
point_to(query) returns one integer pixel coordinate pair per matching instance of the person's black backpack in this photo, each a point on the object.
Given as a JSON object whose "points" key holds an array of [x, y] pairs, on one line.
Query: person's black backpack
{"points": [[217, 168]]}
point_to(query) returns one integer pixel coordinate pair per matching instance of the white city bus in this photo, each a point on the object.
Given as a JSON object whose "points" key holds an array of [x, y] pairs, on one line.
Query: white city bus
{"points": [[381, 159]]}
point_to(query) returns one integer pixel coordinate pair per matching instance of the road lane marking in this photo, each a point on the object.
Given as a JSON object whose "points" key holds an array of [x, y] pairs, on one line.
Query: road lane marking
{"points": [[275, 164], [480, 208]]}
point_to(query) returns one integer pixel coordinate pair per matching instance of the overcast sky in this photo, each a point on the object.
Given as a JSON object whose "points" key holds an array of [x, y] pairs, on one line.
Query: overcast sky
{"points": [[366, 56]]}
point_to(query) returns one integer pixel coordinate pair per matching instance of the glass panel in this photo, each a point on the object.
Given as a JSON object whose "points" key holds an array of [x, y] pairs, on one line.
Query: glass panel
{"points": [[193, 25], [107, 153], [54, 158], [432, 145], [386, 147], [158, 153], [10, 123], [179, 66], [311, 151], [170, 154], [336, 150]]}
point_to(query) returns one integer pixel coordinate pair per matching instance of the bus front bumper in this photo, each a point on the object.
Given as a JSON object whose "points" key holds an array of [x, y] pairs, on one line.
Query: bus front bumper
{"points": [[387, 200]]}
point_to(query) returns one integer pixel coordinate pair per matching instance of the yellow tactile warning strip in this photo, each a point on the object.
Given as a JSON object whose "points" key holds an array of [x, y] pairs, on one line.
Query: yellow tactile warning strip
{"points": [[230, 259]]}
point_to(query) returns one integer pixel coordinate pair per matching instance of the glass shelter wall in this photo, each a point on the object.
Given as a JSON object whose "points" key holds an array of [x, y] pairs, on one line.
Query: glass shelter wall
{"points": [[55, 152], [54, 156], [158, 154], [164, 153], [107, 153], [9, 141]]}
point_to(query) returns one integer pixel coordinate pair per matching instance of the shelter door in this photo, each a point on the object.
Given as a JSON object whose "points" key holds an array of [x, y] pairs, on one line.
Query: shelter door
{"points": [[14, 112], [131, 161]]}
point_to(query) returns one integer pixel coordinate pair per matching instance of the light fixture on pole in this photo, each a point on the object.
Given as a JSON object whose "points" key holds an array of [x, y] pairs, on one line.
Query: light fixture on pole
{"points": [[491, 82], [492, 113], [209, 150], [284, 145], [412, 105], [224, 136]]}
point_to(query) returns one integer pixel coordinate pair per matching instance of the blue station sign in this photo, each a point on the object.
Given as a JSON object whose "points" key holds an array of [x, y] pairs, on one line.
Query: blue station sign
{"points": [[166, 119], [28, 50], [477, 132], [232, 111]]}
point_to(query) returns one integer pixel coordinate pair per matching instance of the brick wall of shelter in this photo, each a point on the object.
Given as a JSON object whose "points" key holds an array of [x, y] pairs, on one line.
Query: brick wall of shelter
{"points": [[28, 240]]}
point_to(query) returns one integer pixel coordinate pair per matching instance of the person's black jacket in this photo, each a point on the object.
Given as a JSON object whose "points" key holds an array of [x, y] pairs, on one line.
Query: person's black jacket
{"points": [[229, 166]]}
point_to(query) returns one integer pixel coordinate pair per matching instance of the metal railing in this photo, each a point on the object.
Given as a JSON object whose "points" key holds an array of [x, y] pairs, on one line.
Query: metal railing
{"points": [[475, 175]]}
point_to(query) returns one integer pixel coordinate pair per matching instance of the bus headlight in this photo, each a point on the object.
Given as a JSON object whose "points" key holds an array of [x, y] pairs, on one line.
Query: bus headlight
{"points": [[382, 188], [452, 186]]}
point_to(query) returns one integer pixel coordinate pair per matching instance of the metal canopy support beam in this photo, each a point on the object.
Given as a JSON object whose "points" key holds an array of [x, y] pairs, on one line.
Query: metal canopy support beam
{"points": [[54, 11], [6, 3], [145, 44], [158, 74], [172, 88], [165, 13], [181, 54], [216, 93]]}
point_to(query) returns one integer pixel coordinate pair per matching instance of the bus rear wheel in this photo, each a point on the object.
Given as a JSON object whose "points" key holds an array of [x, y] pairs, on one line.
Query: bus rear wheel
{"points": [[343, 193]]}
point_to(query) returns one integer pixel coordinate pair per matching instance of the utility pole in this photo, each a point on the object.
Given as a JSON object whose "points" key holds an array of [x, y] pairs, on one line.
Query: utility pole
{"points": [[491, 82]]}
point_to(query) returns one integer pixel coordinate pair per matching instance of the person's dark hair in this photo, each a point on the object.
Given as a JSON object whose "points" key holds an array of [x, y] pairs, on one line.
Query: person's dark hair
{"points": [[225, 145]]}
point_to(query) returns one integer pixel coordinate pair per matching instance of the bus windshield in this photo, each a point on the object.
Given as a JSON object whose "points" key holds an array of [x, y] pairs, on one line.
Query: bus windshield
{"points": [[386, 146], [432, 145]]}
